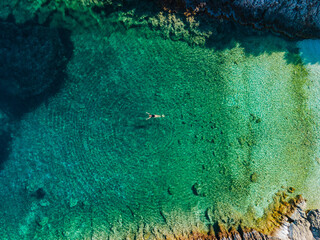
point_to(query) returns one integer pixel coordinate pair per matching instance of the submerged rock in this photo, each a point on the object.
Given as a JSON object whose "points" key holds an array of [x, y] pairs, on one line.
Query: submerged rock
{"points": [[198, 190], [254, 177]]}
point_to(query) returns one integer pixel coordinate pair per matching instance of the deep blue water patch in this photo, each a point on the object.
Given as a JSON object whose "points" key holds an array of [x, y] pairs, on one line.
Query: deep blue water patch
{"points": [[33, 59], [32, 65]]}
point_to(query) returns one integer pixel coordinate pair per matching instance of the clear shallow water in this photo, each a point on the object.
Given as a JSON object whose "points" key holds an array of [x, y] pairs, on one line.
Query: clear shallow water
{"points": [[309, 50], [237, 128]]}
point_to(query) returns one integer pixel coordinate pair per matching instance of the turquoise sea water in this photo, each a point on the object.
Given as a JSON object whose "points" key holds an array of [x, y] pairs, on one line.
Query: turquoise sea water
{"points": [[239, 126]]}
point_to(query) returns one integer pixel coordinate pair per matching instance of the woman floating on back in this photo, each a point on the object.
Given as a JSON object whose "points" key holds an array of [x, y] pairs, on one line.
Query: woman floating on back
{"points": [[154, 116]]}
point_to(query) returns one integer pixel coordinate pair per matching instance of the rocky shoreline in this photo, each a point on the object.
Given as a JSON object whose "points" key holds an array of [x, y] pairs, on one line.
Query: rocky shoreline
{"points": [[293, 18], [296, 19], [300, 225], [286, 219]]}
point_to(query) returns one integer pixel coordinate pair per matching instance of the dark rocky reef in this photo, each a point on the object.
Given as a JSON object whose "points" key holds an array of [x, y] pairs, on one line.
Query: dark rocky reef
{"points": [[294, 18], [29, 59], [32, 63]]}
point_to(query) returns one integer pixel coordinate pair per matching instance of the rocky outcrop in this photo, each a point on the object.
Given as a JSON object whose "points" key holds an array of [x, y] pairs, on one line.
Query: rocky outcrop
{"points": [[300, 225], [297, 225], [291, 17], [295, 18], [246, 234], [313, 217]]}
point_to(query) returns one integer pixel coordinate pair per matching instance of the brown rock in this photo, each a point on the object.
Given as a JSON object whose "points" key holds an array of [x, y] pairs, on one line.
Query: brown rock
{"points": [[291, 189], [235, 234]]}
